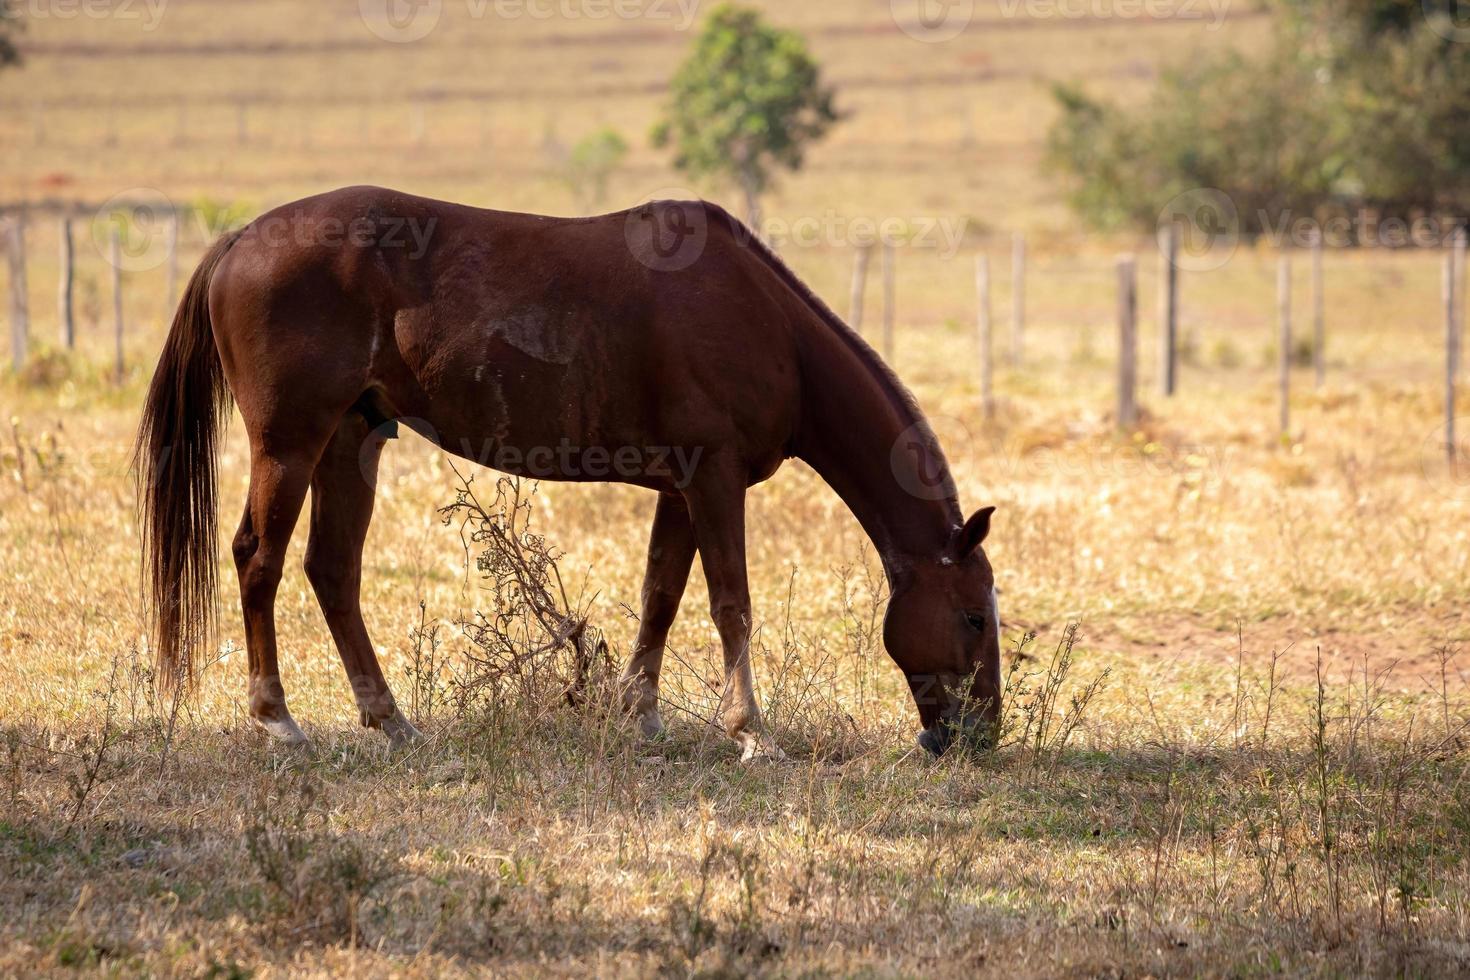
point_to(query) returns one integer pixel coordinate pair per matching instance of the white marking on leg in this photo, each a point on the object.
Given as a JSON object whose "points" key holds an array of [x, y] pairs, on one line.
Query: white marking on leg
{"points": [[283, 729], [400, 731]]}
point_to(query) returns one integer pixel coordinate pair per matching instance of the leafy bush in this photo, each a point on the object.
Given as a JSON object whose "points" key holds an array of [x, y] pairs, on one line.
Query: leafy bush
{"points": [[9, 25], [1360, 106], [591, 164]]}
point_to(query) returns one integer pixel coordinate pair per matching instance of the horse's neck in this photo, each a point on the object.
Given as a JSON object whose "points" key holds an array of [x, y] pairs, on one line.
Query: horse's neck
{"points": [[873, 448]]}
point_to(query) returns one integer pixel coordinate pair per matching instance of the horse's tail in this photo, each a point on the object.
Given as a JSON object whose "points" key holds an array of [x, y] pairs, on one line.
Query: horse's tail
{"points": [[173, 458]]}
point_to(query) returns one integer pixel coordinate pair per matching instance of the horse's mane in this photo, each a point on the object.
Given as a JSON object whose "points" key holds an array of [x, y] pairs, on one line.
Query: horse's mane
{"points": [[898, 393]]}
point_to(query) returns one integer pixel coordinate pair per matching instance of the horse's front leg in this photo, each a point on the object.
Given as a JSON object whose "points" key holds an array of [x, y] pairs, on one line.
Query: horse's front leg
{"points": [[717, 509], [670, 555]]}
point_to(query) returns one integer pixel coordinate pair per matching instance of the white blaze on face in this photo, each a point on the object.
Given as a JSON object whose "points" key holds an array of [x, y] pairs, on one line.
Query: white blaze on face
{"points": [[995, 611]]}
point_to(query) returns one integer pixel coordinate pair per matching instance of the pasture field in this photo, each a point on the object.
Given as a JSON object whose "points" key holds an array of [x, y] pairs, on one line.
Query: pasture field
{"points": [[1237, 733]]}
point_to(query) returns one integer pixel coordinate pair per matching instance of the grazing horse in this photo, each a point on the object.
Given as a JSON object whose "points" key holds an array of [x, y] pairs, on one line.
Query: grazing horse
{"points": [[664, 347]]}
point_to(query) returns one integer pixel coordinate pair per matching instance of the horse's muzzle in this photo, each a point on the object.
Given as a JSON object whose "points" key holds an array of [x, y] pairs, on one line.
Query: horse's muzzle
{"points": [[977, 732]]}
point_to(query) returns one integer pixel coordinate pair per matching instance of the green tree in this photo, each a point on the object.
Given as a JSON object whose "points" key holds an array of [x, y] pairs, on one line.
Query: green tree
{"points": [[9, 26], [591, 164], [748, 101]]}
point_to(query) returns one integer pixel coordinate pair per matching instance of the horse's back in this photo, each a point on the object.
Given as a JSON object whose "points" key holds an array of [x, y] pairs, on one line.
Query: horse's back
{"points": [[507, 329]]}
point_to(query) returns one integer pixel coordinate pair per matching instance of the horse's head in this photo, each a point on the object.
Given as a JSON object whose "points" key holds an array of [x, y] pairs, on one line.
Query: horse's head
{"points": [[943, 631]]}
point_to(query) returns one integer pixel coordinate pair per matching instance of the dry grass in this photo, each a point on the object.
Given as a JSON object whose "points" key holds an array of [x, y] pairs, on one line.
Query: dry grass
{"points": [[1271, 777]]}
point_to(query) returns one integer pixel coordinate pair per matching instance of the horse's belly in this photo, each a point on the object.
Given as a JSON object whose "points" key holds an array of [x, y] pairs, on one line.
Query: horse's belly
{"points": [[550, 404]]}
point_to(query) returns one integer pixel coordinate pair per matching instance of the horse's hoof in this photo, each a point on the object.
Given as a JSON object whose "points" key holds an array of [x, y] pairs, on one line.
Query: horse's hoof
{"points": [[754, 749], [283, 730], [401, 732], [651, 725]]}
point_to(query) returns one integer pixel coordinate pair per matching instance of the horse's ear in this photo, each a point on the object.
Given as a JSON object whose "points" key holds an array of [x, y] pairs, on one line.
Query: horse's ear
{"points": [[974, 533]]}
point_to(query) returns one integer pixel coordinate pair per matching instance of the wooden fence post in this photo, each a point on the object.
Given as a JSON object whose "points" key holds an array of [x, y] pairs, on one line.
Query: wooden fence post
{"points": [[1169, 311], [1451, 349], [66, 286], [117, 302], [172, 296], [1319, 320], [889, 313], [1459, 253], [1283, 316], [1127, 342], [1018, 296], [985, 326], [20, 311], [859, 286]]}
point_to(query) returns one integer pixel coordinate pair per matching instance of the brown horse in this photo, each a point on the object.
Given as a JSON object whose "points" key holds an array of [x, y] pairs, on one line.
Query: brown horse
{"points": [[664, 347]]}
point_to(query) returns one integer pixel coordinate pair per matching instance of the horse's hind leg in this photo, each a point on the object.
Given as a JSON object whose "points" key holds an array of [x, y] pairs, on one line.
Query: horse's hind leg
{"points": [[278, 483], [670, 556], [342, 492]]}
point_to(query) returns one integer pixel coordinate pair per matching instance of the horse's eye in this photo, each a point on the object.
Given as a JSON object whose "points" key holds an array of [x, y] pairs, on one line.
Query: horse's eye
{"points": [[977, 621]]}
